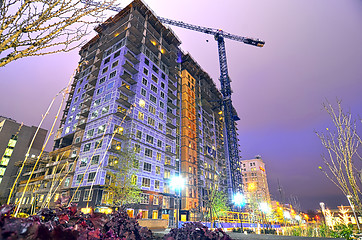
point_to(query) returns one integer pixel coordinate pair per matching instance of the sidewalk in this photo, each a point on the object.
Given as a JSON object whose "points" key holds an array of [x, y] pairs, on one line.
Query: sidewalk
{"points": [[237, 236]]}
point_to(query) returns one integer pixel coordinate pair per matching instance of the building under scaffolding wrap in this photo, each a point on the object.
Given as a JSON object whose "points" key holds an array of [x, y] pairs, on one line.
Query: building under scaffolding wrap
{"points": [[137, 91], [202, 142]]}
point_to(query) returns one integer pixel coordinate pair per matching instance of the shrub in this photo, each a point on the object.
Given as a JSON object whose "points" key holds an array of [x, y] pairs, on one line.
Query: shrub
{"points": [[68, 223], [197, 230]]}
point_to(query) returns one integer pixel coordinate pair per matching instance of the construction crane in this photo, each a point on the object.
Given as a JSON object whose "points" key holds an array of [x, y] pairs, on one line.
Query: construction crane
{"points": [[230, 138]]}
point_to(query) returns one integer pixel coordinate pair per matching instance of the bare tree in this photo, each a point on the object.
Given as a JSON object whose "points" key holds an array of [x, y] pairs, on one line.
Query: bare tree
{"points": [[342, 145], [40, 27]]}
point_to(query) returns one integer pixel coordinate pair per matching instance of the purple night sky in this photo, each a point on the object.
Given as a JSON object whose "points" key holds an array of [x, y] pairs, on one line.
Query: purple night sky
{"points": [[312, 53]]}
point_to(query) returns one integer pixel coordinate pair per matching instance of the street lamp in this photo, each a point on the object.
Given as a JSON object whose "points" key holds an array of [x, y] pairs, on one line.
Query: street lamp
{"points": [[177, 183], [239, 200], [265, 209], [355, 215]]}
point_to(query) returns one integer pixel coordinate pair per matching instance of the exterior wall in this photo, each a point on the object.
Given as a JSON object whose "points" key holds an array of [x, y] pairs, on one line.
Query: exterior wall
{"points": [[202, 133], [188, 142], [255, 182], [128, 85], [15, 140]]}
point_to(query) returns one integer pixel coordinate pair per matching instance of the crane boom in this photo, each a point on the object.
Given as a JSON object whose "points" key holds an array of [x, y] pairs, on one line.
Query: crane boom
{"points": [[230, 136]]}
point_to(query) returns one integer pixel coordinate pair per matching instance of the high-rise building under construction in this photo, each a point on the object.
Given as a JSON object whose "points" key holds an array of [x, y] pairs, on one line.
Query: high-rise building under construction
{"points": [[135, 89]]}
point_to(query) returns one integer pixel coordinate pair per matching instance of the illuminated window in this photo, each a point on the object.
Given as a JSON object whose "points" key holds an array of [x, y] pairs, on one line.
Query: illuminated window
{"points": [[56, 197], [158, 170], [139, 134], [12, 143], [141, 116], [167, 173], [142, 103], [151, 109], [158, 156], [134, 179], [167, 160], [137, 148], [4, 161], [2, 171], [8, 152]]}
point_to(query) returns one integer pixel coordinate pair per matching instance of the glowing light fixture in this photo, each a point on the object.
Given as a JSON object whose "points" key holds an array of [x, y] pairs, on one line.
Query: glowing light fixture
{"points": [[287, 215], [239, 199], [264, 207], [142, 103], [177, 182], [86, 210]]}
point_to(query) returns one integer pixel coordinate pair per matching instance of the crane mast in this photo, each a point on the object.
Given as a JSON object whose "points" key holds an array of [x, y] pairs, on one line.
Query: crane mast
{"points": [[230, 136]]}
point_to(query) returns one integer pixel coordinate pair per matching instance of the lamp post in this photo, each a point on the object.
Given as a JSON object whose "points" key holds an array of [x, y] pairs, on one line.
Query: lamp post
{"points": [[355, 215], [177, 183], [239, 201]]}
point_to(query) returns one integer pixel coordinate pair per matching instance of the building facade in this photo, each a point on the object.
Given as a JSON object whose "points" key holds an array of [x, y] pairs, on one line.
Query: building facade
{"points": [[255, 182], [125, 97], [203, 162], [136, 91], [15, 140]]}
